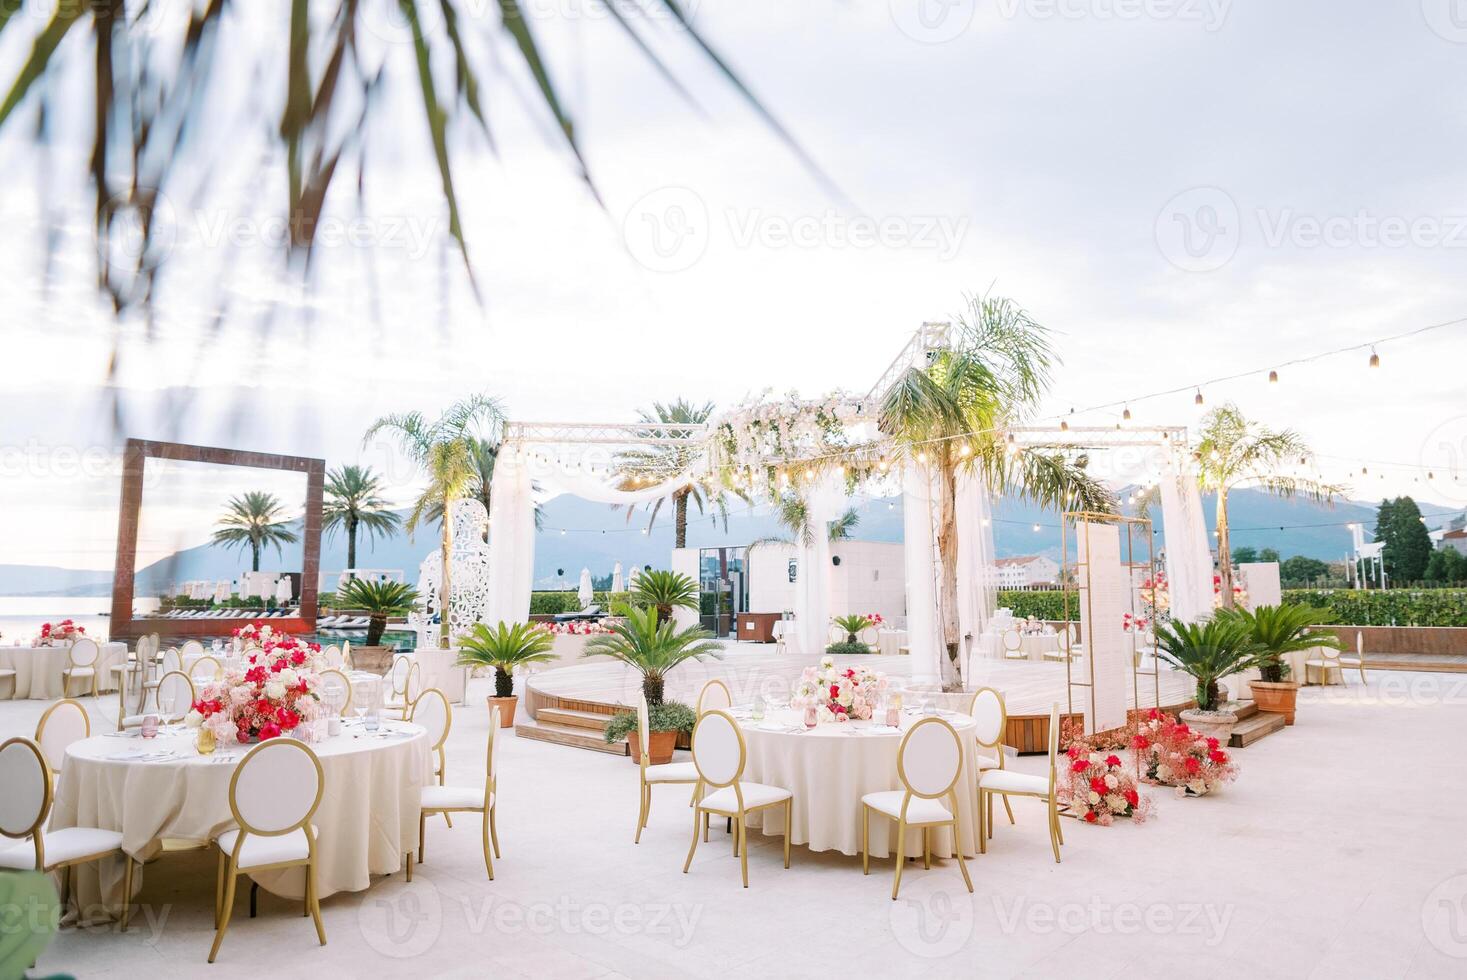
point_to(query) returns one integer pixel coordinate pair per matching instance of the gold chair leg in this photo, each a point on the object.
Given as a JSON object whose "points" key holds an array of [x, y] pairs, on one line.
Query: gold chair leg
{"points": [[126, 891], [789, 819], [1006, 807], [734, 835], [927, 848], [448, 819], [219, 887], [900, 857], [314, 901], [689, 862], [493, 830], [1054, 832], [409, 865], [489, 864], [962, 864], [705, 827], [983, 828], [741, 836], [224, 914], [865, 839], [641, 814], [422, 833]]}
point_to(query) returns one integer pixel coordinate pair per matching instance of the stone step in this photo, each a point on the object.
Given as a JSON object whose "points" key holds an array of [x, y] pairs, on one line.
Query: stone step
{"points": [[575, 737], [589, 720], [1259, 725], [1245, 709]]}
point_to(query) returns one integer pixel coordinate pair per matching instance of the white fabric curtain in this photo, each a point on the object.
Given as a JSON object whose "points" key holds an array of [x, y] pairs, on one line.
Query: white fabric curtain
{"points": [[1188, 556], [924, 637], [977, 595], [812, 582], [511, 541]]}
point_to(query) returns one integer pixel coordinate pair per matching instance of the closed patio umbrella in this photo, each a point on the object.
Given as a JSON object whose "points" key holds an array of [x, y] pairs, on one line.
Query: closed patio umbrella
{"points": [[585, 592], [617, 585]]}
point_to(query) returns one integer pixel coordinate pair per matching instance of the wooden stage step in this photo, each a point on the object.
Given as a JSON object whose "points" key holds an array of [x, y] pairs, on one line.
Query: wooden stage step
{"points": [[1254, 725], [575, 736], [568, 718]]}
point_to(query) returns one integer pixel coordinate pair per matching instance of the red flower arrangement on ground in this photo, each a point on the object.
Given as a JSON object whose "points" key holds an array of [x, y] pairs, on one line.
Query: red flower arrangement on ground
{"points": [[267, 696], [1172, 754], [62, 632], [1098, 787]]}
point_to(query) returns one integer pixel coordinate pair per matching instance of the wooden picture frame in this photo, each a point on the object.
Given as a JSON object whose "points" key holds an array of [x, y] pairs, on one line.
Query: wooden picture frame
{"points": [[124, 625]]}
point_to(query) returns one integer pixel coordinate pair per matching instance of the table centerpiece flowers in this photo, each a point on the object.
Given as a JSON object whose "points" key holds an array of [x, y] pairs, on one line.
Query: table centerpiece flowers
{"points": [[840, 694], [274, 690], [63, 632], [1174, 754]]}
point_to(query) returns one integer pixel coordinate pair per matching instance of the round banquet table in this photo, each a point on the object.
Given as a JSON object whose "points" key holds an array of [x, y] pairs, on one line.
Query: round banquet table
{"points": [[367, 819], [38, 669], [831, 766]]}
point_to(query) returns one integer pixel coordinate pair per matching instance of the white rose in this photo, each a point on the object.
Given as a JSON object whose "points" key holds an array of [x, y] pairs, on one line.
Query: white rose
{"points": [[1111, 781], [193, 719], [1116, 802], [288, 677], [274, 690]]}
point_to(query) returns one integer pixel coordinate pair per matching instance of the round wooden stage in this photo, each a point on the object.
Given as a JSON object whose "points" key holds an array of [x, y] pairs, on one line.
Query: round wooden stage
{"points": [[602, 686]]}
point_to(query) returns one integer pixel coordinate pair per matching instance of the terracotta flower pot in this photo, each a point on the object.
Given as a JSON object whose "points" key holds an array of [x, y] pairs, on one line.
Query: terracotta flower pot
{"points": [[1218, 724], [506, 708], [1277, 697], [659, 746], [373, 660]]}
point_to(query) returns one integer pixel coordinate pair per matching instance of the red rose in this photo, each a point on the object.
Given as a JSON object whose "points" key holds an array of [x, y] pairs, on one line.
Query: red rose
{"points": [[287, 718], [1079, 765], [1220, 758], [1090, 817], [297, 658], [1114, 761], [269, 730], [1141, 742], [834, 691], [255, 675], [1132, 797], [1193, 766], [1097, 785], [1212, 743]]}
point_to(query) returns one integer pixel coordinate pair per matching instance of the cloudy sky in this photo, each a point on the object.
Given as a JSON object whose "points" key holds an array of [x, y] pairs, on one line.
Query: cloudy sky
{"points": [[1181, 190]]}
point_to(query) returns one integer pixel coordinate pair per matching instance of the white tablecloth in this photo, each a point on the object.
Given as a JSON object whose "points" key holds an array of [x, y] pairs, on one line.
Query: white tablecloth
{"points": [[829, 769], [889, 643], [38, 669], [368, 817]]}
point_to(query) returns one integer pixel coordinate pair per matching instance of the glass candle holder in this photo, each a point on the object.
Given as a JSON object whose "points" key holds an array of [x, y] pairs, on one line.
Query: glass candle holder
{"points": [[810, 717], [150, 726]]}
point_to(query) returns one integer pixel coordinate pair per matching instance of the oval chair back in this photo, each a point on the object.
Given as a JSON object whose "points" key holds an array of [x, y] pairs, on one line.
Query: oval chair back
{"points": [[1011, 640], [1054, 734], [930, 760], [333, 656], [397, 675], [191, 648], [644, 737], [205, 669], [346, 655], [990, 718], [64, 722], [154, 643], [175, 695], [490, 758], [27, 796], [172, 660], [718, 750], [250, 648], [413, 686], [276, 788], [715, 695], [431, 710], [337, 684], [83, 652]]}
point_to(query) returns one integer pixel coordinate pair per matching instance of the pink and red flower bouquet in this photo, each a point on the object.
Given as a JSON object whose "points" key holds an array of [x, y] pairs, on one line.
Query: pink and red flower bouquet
{"points": [[1172, 754], [840, 693], [575, 628], [273, 691], [63, 632], [1099, 788]]}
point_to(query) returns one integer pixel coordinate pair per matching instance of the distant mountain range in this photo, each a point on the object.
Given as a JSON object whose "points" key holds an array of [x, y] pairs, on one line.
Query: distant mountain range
{"points": [[581, 534]]}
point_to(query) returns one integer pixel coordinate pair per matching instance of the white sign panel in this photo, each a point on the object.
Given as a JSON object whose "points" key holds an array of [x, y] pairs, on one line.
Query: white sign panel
{"points": [[1261, 580], [1104, 591]]}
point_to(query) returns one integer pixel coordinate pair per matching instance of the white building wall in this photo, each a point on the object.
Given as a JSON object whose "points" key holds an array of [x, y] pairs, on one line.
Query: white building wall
{"points": [[685, 561], [869, 579], [770, 589]]}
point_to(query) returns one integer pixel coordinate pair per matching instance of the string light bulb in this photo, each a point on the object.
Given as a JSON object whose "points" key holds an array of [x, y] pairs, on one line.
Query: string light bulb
{"points": [[922, 457], [1198, 400], [1036, 528], [1273, 377], [965, 450], [1064, 426], [1126, 415], [1374, 358], [882, 466]]}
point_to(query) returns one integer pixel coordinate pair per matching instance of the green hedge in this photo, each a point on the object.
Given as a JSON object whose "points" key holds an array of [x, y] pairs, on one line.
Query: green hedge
{"points": [[1040, 605], [1388, 607], [550, 603]]}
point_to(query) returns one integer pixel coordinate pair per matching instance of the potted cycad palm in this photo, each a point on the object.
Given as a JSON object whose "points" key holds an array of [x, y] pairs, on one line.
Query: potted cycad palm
{"points": [[1280, 630], [852, 626], [664, 591], [378, 600], [653, 648], [505, 647], [1209, 652]]}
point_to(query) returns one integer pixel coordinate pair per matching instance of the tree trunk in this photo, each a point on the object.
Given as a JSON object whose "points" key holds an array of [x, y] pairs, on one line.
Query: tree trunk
{"points": [[376, 626], [503, 683], [445, 581], [680, 517], [255, 556], [1224, 552], [351, 542], [947, 549], [652, 689]]}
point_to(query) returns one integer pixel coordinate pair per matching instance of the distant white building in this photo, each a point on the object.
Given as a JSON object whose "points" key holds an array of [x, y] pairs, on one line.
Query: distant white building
{"points": [[1025, 572], [1454, 539]]}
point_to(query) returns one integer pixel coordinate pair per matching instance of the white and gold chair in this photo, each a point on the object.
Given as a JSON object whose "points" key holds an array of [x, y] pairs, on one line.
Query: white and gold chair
{"points": [[1007, 784], [191, 648], [673, 773], [204, 670], [27, 804], [175, 694], [991, 723], [1331, 659], [129, 671], [169, 661], [719, 755], [1013, 645], [464, 799], [81, 665], [929, 764], [273, 794], [714, 695], [404, 681], [337, 684], [432, 711], [333, 657], [346, 663], [63, 723]]}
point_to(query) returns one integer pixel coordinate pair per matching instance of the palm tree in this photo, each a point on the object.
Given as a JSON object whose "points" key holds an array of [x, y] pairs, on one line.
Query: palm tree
{"points": [[654, 463], [951, 415], [1209, 652], [255, 519], [481, 481], [444, 448], [504, 647], [1235, 452], [792, 512], [664, 591], [1278, 630], [354, 502], [652, 649], [379, 600]]}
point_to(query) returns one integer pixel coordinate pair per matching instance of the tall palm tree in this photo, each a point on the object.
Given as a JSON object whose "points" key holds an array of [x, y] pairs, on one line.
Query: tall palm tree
{"points": [[1236, 452], [792, 512], [951, 415], [255, 520], [443, 448], [354, 502], [481, 480], [655, 463]]}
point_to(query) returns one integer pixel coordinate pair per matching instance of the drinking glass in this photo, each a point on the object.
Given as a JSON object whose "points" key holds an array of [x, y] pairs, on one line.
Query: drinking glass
{"points": [[757, 711]]}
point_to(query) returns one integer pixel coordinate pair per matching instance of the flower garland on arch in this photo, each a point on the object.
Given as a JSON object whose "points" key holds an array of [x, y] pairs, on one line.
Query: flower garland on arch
{"points": [[758, 441]]}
